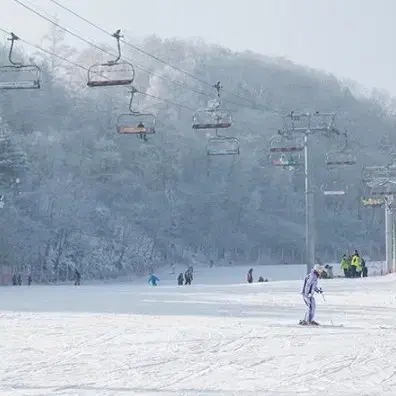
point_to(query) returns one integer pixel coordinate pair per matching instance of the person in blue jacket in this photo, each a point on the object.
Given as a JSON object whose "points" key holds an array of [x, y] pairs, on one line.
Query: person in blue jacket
{"points": [[153, 280]]}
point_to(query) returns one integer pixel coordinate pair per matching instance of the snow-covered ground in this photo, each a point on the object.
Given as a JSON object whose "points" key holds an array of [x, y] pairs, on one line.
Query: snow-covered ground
{"points": [[207, 339]]}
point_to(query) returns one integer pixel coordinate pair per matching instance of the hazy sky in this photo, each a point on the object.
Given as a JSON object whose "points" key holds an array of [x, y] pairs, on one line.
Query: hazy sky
{"points": [[351, 38]]}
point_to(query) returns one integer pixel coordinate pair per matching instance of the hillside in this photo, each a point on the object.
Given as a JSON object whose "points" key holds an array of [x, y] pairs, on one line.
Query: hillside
{"points": [[110, 205]]}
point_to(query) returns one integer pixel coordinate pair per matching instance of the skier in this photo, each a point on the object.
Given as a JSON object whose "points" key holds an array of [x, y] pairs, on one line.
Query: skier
{"points": [[180, 279], [77, 277], [364, 268], [188, 277], [309, 289], [153, 280], [249, 276]]}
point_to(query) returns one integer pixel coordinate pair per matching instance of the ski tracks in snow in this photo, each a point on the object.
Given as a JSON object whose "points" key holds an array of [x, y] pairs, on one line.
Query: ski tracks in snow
{"points": [[190, 353]]}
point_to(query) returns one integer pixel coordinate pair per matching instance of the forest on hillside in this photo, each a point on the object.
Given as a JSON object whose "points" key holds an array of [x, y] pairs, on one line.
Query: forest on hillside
{"points": [[77, 195]]}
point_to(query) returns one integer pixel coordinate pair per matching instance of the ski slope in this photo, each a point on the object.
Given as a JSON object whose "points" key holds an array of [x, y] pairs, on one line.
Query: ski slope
{"points": [[207, 339]]}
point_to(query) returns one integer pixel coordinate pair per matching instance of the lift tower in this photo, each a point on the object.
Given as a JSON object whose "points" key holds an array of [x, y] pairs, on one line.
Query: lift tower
{"points": [[381, 181], [308, 124]]}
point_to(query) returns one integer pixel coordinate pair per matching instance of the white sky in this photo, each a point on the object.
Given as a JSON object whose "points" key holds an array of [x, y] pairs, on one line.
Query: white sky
{"points": [[351, 38]]}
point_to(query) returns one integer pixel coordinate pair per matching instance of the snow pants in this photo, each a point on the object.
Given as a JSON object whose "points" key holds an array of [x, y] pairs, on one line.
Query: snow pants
{"points": [[311, 308]]}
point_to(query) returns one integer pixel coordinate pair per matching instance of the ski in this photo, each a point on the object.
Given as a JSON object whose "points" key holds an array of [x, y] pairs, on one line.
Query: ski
{"points": [[304, 324]]}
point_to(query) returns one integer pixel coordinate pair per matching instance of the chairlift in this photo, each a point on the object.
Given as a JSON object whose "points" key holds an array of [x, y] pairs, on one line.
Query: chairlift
{"points": [[286, 151], [378, 174], [382, 189], [373, 202], [111, 73], [222, 145], [211, 119], [286, 161], [286, 144], [17, 75], [342, 157], [334, 189], [136, 122]]}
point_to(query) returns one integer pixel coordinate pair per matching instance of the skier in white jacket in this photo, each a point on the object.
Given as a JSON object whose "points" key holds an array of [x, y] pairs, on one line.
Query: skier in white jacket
{"points": [[309, 289]]}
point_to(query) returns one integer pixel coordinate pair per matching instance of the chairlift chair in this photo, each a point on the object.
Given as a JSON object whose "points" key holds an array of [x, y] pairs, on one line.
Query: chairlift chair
{"points": [[372, 202], [334, 189], [335, 159], [111, 73], [378, 174], [342, 156], [211, 119], [136, 123], [285, 151], [222, 145], [382, 189], [17, 75], [286, 161]]}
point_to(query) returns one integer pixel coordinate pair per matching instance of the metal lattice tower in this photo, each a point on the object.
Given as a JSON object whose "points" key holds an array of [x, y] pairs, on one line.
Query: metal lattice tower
{"points": [[309, 124], [381, 180]]}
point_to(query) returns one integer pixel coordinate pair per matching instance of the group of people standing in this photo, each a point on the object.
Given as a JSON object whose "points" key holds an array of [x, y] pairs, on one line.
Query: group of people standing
{"points": [[186, 278], [354, 266]]}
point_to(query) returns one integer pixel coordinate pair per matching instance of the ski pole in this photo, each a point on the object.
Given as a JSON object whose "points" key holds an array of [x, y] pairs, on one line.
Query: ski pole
{"points": [[324, 299]]}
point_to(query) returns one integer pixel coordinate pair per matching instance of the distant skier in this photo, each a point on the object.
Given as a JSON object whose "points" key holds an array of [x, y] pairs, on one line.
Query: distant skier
{"points": [[153, 280], [180, 279], [172, 266], [77, 278], [364, 268], [309, 289], [29, 280], [188, 277], [249, 277]]}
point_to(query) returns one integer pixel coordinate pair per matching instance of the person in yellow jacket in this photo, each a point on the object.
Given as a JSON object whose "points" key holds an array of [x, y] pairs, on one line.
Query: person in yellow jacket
{"points": [[345, 265], [356, 265]]}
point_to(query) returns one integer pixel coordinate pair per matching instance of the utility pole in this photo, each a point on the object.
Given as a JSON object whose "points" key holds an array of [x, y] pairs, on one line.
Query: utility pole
{"points": [[381, 180], [309, 124]]}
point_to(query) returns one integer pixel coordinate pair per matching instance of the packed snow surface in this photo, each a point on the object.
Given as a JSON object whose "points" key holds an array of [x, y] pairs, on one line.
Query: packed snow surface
{"points": [[205, 339]]}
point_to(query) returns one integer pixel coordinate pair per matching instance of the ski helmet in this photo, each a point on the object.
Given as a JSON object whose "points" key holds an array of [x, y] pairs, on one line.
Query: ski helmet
{"points": [[318, 268]]}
